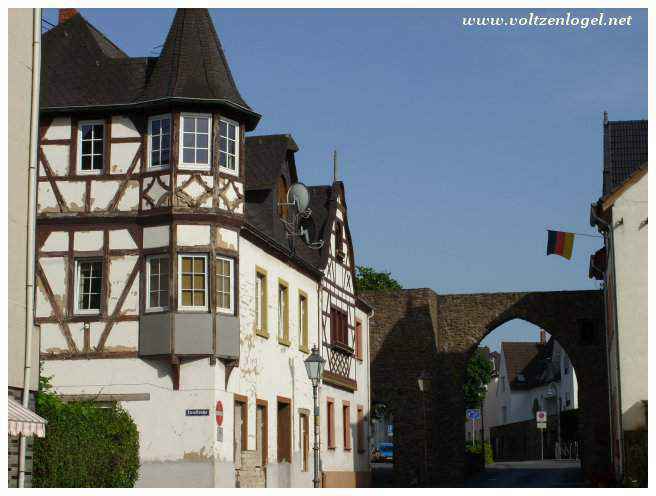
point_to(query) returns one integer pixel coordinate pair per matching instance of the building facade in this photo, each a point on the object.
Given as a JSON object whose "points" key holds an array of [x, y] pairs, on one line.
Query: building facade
{"points": [[621, 216], [166, 278], [24, 25]]}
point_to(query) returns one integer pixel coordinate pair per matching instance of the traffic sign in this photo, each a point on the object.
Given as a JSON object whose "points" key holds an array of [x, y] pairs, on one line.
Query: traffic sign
{"points": [[541, 416], [219, 413], [473, 414], [542, 425]]}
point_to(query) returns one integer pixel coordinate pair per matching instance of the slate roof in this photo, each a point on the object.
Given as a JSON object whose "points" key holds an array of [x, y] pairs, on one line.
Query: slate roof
{"points": [[531, 360], [625, 150], [263, 153], [266, 156], [82, 68]]}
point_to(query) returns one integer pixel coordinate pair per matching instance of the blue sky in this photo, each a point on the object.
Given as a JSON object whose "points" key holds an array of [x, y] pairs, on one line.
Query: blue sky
{"points": [[459, 146]]}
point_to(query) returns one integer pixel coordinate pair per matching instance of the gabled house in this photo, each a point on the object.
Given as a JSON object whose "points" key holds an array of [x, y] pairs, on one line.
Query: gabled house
{"points": [[621, 215], [166, 280], [531, 376]]}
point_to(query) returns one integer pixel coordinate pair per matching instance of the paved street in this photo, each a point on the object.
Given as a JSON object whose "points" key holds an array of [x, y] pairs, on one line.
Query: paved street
{"points": [[547, 473]]}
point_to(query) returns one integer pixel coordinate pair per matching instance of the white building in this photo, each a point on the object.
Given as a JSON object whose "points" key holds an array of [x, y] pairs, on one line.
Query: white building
{"points": [[531, 376], [621, 215], [165, 279]]}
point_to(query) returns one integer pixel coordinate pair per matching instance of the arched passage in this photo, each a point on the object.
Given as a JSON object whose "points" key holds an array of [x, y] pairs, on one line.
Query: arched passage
{"points": [[441, 339]]}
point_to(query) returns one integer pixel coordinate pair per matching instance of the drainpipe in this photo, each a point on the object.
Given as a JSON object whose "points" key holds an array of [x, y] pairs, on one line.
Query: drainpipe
{"points": [[609, 240], [31, 228]]}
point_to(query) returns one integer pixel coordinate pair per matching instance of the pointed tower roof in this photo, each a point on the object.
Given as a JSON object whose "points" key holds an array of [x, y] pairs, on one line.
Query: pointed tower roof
{"points": [[192, 65], [83, 70]]}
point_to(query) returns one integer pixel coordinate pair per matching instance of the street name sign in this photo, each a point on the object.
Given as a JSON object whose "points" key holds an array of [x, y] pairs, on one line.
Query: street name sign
{"points": [[473, 414], [197, 412]]}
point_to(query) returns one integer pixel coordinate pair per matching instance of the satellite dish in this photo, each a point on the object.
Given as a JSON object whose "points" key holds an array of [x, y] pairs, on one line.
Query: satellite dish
{"points": [[299, 195]]}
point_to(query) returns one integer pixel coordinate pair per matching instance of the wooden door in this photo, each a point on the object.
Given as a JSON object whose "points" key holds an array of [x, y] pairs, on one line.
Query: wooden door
{"points": [[284, 424], [261, 433], [305, 440], [237, 437]]}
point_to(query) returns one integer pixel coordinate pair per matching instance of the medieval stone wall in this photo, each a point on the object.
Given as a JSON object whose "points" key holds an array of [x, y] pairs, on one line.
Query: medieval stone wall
{"points": [[417, 329]]}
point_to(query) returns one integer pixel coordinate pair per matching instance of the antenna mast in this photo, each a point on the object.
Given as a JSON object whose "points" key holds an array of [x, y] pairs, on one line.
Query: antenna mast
{"points": [[334, 165]]}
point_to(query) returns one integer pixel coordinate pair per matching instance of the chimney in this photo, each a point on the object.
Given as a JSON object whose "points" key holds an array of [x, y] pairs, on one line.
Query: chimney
{"points": [[65, 15], [543, 336]]}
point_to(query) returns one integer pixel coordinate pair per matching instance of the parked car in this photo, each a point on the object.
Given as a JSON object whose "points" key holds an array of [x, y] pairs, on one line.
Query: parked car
{"points": [[384, 452]]}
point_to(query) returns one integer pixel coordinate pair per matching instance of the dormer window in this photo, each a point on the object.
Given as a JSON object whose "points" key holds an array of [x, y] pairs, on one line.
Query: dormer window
{"points": [[229, 146], [195, 143], [91, 142], [281, 196], [159, 131]]}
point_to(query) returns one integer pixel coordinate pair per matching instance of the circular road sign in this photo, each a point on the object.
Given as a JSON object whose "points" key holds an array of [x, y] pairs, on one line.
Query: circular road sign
{"points": [[219, 413]]}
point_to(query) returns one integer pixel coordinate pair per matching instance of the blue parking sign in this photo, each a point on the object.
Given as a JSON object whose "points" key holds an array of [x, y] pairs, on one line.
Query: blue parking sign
{"points": [[473, 414]]}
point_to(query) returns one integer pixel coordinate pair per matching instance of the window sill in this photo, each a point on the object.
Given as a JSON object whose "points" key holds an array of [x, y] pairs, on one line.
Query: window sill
{"points": [[157, 310], [230, 172], [225, 311], [284, 342], [262, 333], [348, 449], [199, 167], [87, 313], [332, 447]]}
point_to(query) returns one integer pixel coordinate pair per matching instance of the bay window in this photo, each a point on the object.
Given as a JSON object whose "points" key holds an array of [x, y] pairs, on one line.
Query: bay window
{"points": [[159, 132], [229, 146], [192, 281], [157, 282], [195, 142], [224, 284]]}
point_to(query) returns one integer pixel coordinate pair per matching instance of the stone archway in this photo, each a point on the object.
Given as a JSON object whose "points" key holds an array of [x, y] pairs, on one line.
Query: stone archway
{"points": [[417, 330]]}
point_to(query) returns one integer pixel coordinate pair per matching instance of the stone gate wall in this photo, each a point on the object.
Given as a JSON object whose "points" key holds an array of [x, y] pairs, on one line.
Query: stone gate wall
{"points": [[417, 329]]}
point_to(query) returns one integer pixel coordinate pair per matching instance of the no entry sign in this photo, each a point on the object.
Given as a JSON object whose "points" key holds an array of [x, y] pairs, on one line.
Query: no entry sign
{"points": [[541, 416], [219, 413]]}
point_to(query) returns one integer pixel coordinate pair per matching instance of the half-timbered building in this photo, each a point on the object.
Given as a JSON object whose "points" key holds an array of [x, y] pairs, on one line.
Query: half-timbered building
{"points": [[166, 280]]}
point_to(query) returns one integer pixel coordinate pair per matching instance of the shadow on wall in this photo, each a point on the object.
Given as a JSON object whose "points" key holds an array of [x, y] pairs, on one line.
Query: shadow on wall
{"points": [[398, 358]]}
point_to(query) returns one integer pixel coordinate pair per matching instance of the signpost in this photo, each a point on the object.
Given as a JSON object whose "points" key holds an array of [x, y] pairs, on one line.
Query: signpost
{"points": [[218, 413], [541, 420], [473, 414]]}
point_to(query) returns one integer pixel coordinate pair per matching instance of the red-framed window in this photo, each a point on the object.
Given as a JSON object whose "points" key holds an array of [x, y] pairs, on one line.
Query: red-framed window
{"points": [[338, 327]]}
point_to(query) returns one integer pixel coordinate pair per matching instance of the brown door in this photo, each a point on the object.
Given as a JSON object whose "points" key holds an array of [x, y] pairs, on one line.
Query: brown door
{"points": [[237, 434], [284, 420], [304, 439], [261, 433]]}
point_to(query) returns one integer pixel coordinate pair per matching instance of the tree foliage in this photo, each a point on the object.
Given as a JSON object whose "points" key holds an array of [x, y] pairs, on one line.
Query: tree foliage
{"points": [[369, 279], [477, 375], [85, 445]]}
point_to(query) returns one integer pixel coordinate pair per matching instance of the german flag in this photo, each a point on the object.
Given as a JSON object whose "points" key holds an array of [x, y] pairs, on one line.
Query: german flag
{"points": [[560, 243]]}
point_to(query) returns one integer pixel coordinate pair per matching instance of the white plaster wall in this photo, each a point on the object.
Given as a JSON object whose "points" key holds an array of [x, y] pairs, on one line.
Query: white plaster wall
{"points": [[269, 369], [121, 239], [119, 271], [46, 200], [130, 198], [175, 450], [156, 236], [60, 128], [73, 193], [122, 156], [58, 159], [123, 127], [52, 339], [227, 239], [193, 235], [88, 240], [631, 278], [56, 241], [102, 193]]}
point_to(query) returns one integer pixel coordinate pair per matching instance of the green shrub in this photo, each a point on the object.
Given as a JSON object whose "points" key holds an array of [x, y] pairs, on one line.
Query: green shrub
{"points": [[85, 445], [475, 449]]}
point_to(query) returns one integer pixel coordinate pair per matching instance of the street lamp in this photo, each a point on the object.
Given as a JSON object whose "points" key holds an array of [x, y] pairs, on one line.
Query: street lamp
{"points": [[314, 366], [424, 382]]}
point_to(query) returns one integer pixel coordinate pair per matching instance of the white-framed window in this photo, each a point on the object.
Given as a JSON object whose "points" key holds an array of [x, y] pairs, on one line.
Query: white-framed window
{"points": [[159, 139], [157, 282], [229, 146], [88, 293], [225, 296], [91, 146], [192, 281], [195, 140]]}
